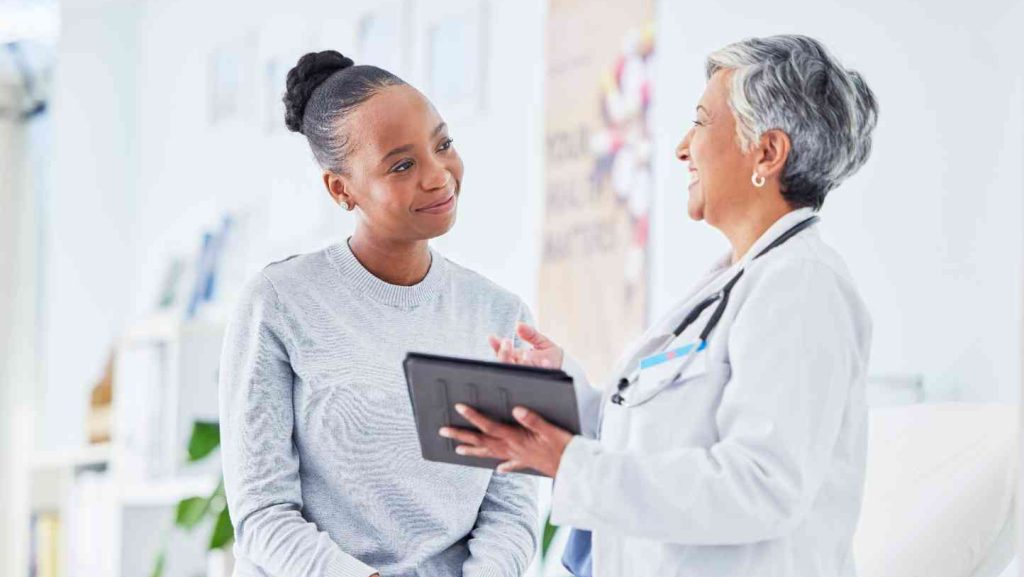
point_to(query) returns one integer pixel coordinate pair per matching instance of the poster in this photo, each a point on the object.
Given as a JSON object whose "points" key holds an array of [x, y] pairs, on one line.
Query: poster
{"points": [[598, 178]]}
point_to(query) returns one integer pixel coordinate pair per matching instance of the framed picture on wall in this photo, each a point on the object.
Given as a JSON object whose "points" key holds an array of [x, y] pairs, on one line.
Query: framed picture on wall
{"points": [[224, 79], [275, 75], [455, 44], [231, 74], [280, 46], [382, 37]]}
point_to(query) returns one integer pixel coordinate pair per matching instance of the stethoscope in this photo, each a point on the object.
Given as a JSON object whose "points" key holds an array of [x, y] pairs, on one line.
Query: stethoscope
{"points": [[722, 298]]}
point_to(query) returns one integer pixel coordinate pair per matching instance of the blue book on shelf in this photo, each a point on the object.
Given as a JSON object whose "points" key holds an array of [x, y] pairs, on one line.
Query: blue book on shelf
{"points": [[202, 274]]}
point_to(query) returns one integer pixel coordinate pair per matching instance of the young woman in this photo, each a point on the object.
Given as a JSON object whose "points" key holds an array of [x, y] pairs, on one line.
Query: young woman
{"points": [[322, 462]]}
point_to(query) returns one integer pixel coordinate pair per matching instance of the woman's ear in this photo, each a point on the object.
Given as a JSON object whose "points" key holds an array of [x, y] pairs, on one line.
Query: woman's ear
{"points": [[773, 151], [337, 187]]}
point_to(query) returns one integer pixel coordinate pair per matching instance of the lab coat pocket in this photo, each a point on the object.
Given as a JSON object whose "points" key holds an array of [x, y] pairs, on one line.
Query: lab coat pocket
{"points": [[674, 373]]}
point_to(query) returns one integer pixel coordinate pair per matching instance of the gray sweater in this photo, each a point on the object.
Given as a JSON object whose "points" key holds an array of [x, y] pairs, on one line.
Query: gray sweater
{"points": [[322, 463]]}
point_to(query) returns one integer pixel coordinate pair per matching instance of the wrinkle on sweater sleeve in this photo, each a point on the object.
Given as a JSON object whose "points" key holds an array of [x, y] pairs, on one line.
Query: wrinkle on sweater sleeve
{"points": [[261, 463]]}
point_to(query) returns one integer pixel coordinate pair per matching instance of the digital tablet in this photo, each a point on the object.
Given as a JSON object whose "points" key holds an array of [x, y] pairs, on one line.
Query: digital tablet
{"points": [[437, 383]]}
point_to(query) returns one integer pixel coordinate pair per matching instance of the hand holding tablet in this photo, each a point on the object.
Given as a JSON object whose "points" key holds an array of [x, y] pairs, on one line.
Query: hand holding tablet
{"points": [[437, 383]]}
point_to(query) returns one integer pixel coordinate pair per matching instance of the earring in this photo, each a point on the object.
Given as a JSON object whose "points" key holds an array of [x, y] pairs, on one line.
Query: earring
{"points": [[349, 206], [757, 180]]}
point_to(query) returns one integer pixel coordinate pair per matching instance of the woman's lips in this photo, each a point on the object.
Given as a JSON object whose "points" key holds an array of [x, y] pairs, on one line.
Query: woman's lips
{"points": [[440, 208]]}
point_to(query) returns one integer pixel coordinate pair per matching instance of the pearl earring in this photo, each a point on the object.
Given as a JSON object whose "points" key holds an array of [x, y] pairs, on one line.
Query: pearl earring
{"points": [[757, 180]]}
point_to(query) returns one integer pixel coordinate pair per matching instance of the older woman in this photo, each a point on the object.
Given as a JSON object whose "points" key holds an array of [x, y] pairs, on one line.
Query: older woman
{"points": [[732, 441]]}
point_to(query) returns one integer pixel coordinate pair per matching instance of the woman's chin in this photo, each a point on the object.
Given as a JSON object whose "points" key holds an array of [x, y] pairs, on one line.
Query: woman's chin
{"points": [[443, 227], [428, 226], [695, 202], [696, 210]]}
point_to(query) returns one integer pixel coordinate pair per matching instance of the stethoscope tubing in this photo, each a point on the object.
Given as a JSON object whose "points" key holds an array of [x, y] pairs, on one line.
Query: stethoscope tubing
{"points": [[722, 298]]}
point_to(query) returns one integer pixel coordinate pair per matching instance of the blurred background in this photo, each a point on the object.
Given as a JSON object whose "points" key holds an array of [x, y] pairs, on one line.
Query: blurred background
{"points": [[145, 173]]}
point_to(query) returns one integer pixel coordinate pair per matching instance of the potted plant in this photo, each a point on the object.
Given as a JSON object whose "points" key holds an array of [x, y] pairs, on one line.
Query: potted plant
{"points": [[191, 512]]}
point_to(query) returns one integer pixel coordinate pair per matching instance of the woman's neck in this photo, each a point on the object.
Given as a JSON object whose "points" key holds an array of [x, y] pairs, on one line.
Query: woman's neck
{"points": [[745, 231], [403, 263]]}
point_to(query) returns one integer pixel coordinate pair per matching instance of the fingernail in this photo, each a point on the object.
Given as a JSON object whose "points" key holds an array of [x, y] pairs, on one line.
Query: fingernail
{"points": [[460, 408], [444, 432], [519, 413], [459, 450]]}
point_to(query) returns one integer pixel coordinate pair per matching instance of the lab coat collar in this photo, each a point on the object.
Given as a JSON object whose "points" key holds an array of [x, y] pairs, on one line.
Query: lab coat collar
{"points": [[774, 231], [719, 274]]}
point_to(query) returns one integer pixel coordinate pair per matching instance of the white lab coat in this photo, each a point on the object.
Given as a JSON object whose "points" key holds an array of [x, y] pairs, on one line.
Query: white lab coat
{"points": [[752, 462]]}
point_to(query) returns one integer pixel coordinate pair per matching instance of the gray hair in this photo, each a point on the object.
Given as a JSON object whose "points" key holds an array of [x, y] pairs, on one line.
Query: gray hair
{"points": [[792, 83]]}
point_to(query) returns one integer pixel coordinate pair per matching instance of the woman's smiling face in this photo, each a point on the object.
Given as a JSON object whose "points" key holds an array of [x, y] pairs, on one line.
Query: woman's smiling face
{"points": [[719, 169], [403, 173]]}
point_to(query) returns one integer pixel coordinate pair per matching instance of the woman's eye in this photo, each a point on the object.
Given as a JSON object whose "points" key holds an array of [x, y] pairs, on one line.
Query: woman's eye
{"points": [[402, 166], [698, 123], [445, 145]]}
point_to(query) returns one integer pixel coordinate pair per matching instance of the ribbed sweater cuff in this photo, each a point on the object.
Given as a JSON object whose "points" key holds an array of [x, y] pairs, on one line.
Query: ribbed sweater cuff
{"points": [[348, 566]]}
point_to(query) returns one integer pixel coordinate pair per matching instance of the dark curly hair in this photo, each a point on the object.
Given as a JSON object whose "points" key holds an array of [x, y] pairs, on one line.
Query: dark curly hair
{"points": [[322, 89]]}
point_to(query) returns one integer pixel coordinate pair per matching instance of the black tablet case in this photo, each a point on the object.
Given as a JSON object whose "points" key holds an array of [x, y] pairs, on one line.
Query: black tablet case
{"points": [[437, 383]]}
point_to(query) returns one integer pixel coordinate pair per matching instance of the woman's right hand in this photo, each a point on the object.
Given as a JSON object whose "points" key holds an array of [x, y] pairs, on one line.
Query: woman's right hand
{"points": [[542, 352]]}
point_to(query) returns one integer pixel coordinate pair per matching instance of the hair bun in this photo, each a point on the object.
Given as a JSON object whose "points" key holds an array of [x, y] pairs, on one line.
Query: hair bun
{"points": [[312, 69]]}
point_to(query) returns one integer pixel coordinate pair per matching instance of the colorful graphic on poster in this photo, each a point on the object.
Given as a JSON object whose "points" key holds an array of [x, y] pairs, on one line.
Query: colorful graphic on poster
{"points": [[599, 178]]}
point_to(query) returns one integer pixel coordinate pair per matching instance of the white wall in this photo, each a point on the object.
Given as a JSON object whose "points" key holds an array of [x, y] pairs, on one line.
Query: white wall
{"points": [[12, 234], [932, 223], [140, 173], [189, 172], [931, 226], [24, 152], [91, 210]]}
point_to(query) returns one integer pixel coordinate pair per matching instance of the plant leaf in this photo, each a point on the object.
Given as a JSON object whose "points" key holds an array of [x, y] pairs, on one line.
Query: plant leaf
{"points": [[158, 567], [205, 438], [223, 532], [549, 536], [191, 511], [219, 491]]}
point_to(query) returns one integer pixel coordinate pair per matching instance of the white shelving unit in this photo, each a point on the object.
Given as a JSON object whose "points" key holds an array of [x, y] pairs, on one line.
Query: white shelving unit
{"points": [[116, 502], [93, 455]]}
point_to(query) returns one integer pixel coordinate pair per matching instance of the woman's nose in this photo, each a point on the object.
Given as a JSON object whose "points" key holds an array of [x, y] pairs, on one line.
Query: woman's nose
{"points": [[683, 148], [437, 177]]}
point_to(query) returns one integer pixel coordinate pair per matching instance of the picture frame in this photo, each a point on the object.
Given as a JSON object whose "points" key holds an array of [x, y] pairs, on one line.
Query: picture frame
{"points": [[456, 46]]}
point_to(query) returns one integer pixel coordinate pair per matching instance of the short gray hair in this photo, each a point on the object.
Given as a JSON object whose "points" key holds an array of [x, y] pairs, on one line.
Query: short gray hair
{"points": [[792, 83]]}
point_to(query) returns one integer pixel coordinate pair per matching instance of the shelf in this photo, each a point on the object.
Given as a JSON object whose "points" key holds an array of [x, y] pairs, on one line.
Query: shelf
{"points": [[90, 456], [166, 492], [158, 327], [168, 326]]}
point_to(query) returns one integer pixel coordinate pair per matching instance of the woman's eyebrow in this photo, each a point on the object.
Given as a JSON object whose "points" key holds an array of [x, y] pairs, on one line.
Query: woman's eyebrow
{"points": [[406, 148], [396, 151]]}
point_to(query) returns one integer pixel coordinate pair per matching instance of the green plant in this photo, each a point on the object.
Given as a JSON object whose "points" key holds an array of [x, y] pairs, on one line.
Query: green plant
{"points": [[549, 535], [191, 512]]}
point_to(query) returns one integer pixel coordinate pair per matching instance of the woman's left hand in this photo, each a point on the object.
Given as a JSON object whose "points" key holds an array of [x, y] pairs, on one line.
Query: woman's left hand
{"points": [[537, 445]]}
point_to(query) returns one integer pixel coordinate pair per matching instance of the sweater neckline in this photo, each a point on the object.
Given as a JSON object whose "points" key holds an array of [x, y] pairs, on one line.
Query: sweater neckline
{"points": [[355, 275]]}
